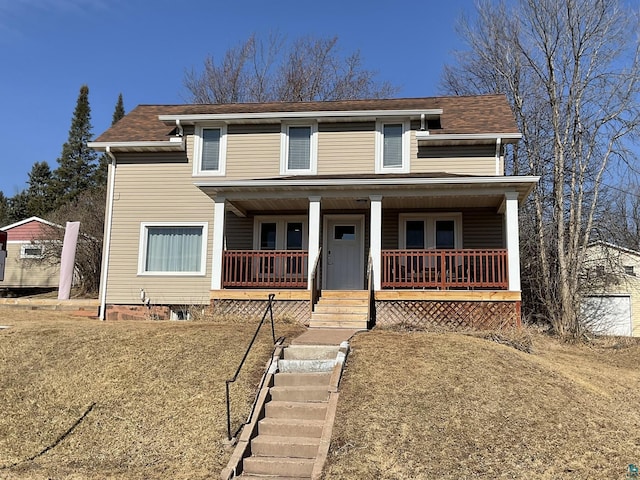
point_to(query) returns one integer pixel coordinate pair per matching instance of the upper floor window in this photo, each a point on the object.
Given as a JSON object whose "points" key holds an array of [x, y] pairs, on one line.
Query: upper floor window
{"points": [[299, 149], [210, 150], [392, 147]]}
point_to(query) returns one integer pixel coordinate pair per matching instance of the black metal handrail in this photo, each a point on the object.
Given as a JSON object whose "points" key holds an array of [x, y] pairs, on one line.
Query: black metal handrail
{"points": [[269, 310]]}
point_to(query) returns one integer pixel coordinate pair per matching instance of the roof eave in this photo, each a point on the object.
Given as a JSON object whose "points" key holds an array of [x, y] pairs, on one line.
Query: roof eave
{"points": [[192, 119], [425, 137], [177, 145]]}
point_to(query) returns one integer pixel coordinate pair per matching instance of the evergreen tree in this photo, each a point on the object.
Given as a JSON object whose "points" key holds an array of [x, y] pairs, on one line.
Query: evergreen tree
{"points": [[101, 171], [77, 163], [39, 191], [118, 113], [4, 210], [18, 207]]}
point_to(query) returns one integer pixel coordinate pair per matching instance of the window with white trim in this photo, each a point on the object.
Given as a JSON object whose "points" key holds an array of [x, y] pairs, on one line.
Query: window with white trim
{"points": [[392, 146], [280, 233], [173, 249], [210, 150], [31, 250], [430, 231], [299, 145]]}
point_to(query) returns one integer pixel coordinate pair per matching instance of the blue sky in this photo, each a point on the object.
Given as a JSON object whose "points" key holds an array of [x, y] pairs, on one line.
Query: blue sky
{"points": [[49, 48]]}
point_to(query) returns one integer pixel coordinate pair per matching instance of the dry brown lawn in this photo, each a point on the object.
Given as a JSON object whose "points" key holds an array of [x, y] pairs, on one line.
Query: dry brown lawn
{"points": [[147, 397], [452, 406], [148, 400]]}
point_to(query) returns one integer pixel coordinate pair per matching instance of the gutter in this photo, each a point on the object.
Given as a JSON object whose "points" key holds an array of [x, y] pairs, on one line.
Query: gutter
{"points": [[107, 234]]}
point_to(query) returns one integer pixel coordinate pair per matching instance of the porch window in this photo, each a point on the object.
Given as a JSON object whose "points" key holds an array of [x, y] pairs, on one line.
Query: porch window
{"points": [[210, 151], [178, 249], [280, 234], [392, 147], [298, 149], [426, 231]]}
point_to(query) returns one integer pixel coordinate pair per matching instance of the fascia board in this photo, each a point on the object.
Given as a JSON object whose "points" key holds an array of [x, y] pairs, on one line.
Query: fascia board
{"points": [[186, 119]]}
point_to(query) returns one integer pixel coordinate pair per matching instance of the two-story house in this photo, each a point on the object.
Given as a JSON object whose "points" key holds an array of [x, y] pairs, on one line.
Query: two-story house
{"points": [[401, 205]]}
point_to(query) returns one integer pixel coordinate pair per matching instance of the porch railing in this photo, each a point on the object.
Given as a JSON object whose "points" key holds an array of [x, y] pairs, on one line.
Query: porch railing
{"points": [[445, 269], [265, 268]]}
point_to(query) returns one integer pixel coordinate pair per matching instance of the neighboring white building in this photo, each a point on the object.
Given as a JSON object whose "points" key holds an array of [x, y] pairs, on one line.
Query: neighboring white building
{"points": [[612, 303]]}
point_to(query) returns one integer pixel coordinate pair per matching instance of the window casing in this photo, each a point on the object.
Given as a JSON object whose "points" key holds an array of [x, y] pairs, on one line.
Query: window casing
{"points": [[210, 150], [423, 231], [393, 143], [299, 149], [173, 249], [280, 233], [32, 251]]}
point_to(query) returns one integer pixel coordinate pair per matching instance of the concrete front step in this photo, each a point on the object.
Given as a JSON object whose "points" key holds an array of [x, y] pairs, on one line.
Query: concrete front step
{"points": [[283, 466], [308, 366], [282, 379], [305, 393], [310, 352], [290, 427], [277, 446], [297, 410]]}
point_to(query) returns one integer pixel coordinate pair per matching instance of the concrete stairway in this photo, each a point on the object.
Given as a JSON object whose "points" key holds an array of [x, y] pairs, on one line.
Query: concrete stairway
{"points": [[341, 309], [290, 433]]}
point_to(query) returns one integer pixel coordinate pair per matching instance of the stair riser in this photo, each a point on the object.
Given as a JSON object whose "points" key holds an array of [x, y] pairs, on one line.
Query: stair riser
{"points": [[301, 379], [289, 430], [267, 449], [339, 317], [345, 294], [338, 310], [360, 325], [302, 411], [284, 467], [297, 394], [306, 366]]}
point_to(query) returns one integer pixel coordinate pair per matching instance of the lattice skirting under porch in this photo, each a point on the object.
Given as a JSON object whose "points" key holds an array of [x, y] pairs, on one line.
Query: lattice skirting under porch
{"points": [[449, 315], [291, 310]]}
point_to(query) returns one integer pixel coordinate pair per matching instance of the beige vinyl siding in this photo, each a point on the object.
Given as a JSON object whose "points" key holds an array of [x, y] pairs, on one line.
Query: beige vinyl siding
{"points": [[238, 232], [27, 273], [155, 192], [460, 159], [346, 148], [482, 229], [253, 151]]}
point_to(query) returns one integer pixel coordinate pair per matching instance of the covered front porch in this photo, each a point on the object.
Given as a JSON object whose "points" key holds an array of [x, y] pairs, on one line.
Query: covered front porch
{"points": [[411, 242]]}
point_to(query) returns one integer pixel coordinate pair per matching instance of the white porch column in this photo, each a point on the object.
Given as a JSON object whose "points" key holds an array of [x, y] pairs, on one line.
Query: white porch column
{"points": [[513, 239], [314, 236], [218, 243], [375, 239]]}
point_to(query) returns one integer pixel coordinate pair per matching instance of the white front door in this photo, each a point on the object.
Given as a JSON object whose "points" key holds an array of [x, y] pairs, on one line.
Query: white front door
{"points": [[343, 258]]}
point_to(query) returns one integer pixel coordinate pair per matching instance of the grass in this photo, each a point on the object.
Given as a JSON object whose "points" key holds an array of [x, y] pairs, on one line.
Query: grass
{"points": [[464, 406], [148, 396], [149, 401]]}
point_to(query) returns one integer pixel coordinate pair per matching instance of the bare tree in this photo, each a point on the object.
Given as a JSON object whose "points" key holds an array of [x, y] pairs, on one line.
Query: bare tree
{"points": [[571, 70], [88, 209], [308, 69]]}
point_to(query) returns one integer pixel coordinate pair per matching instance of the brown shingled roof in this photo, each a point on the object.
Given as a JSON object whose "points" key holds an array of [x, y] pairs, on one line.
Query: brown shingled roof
{"points": [[473, 114]]}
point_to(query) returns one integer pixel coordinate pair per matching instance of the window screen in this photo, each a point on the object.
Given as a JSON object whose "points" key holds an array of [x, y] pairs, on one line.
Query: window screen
{"points": [[210, 149], [299, 148]]}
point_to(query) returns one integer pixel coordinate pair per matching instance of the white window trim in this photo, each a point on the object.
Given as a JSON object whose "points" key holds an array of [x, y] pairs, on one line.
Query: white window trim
{"points": [[430, 227], [24, 255], [284, 149], [281, 230], [197, 151], [406, 147], [142, 248]]}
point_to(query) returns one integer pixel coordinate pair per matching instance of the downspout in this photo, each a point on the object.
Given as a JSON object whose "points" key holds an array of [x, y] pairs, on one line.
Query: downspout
{"points": [[498, 145], [107, 234]]}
